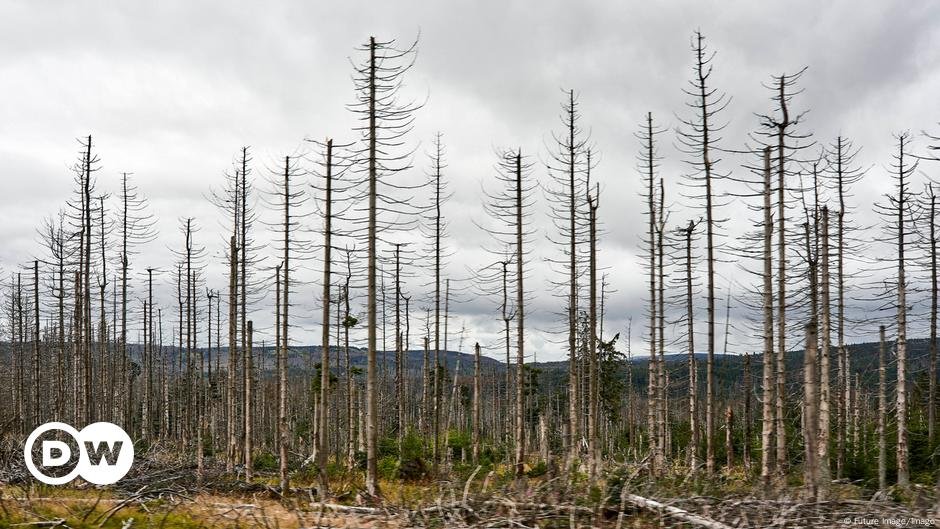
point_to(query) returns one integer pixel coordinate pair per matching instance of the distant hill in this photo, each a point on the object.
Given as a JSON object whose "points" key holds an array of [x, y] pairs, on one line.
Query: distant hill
{"points": [[729, 368]]}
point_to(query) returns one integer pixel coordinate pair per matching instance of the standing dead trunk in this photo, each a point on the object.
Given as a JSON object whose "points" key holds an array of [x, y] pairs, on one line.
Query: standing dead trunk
{"points": [[824, 477], [285, 326], [882, 412], [746, 445], [810, 400], [768, 384], [322, 438], [932, 376], [780, 410], [372, 485], [248, 406], [520, 321], [37, 372], [690, 338], [232, 355], [593, 409], [903, 456], [477, 394]]}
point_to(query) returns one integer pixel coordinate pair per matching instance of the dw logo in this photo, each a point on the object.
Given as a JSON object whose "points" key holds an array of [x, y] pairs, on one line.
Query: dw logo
{"points": [[104, 453]]}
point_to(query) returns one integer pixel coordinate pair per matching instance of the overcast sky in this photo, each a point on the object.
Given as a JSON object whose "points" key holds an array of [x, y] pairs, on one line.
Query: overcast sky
{"points": [[171, 90]]}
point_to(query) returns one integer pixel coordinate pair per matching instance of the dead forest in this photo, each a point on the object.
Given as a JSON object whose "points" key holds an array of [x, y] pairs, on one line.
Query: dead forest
{"points": [[203, 358]]}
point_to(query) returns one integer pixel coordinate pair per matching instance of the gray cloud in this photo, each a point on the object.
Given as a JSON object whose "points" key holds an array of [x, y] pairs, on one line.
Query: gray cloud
{"points": [[171, 90]]}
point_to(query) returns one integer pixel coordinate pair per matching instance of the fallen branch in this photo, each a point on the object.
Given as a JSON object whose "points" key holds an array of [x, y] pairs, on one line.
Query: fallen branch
{"points": [[675, 512]]}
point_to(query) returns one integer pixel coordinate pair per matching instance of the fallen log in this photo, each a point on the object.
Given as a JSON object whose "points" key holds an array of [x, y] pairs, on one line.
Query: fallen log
{"points": [[675, 512]]}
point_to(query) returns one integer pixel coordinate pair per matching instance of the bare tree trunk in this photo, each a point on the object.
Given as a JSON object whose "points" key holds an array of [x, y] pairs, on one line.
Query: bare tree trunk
{"points": [[690, 338], [322, 439], [593, 411], [248, 404], [882, 412], [901, 406], [663, 382], [932, 376], [232, 355], [810, 400], [768, 384], [824, 477], [399, 356], [520, 323], [37, 378], [781, 431], [372, 485], [746, 445], [285, 339], [574, 404], [477, 394]]}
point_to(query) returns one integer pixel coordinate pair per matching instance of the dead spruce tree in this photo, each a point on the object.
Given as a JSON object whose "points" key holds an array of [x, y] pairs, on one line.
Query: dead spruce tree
{"points": [[698, 137], [288, 199], [898, 214], [434, 228], [329, 171], [683, 247], [593, 203], [56, 248], [384, 123], [647, 165], [236, 199], [136, 226], [510, 227], [777, 131], [843, 173], [565, 197], [81, 210]]}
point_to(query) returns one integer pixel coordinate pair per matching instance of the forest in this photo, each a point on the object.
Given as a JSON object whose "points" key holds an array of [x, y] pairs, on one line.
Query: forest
{"points": [[393, 416]]}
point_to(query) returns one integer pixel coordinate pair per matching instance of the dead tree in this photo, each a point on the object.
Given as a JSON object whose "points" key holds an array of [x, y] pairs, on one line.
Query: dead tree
{"points": [[931, 197], [564, 195], [647, 165], [824, 475], [330, 169], [249, 449], [810, 400], [511, 232], [385, 122], [593, 202], [694, 440], [698, 139], [438, 255], [477, 395], [777, 131], [768, 386], [843, 174], [882, 412], [137, 227]]}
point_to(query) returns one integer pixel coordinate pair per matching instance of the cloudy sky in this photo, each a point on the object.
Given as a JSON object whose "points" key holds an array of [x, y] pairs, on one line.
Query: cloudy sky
{"points": [[171, 90]]}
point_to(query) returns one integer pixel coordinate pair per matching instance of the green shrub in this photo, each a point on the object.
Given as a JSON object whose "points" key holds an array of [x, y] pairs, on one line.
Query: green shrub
{"points": [[264, 461]]}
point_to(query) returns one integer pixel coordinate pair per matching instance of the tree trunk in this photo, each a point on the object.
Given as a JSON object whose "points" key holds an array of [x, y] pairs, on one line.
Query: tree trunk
{"points": [[520, 323], [824, 477], [882, 412], [593, 410], [810, 400], [768, 392], [690, 338], [901, 405], [322, 439], [932, 376], [372, 484], [477, 394], [248, 404]]}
